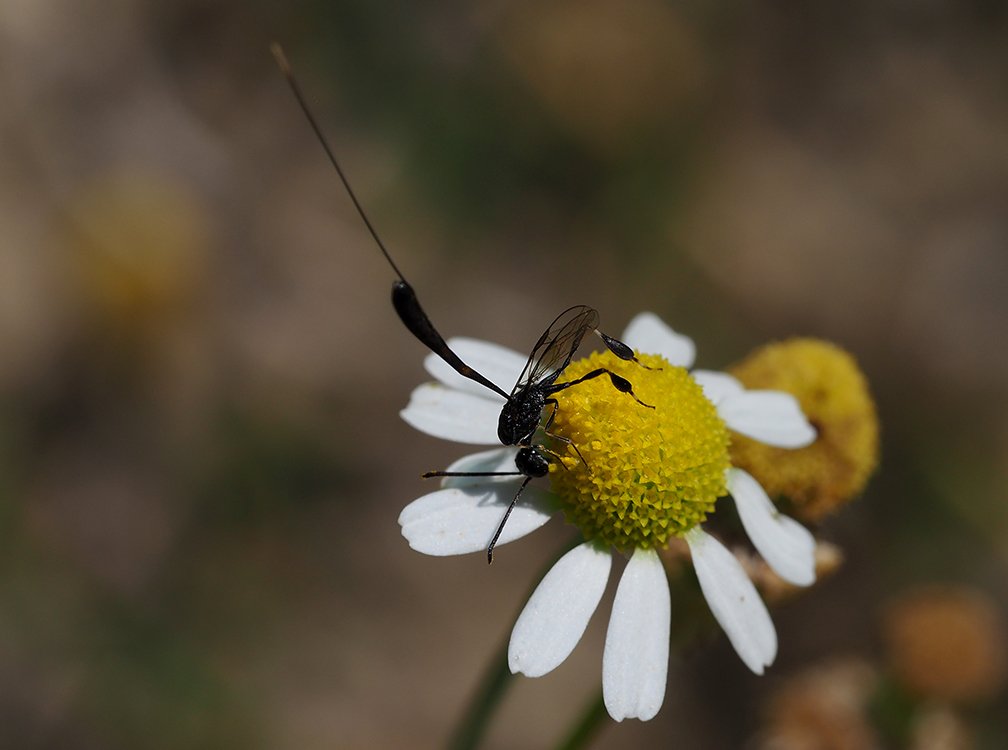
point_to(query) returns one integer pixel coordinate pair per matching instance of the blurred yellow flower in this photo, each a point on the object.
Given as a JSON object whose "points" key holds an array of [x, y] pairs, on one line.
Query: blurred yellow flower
{"points": [[833, 393], [139, 242], [604, 72], [823, 708], [947, 643]]}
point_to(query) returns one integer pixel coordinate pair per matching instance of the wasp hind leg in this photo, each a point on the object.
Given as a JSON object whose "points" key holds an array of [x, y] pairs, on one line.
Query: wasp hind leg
{"points": [[620, 383], [621, 350]]}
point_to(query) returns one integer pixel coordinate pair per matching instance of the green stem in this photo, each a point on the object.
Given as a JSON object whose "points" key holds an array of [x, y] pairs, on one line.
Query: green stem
{"points": [[589, 725], [485, 700], [494, 684]]}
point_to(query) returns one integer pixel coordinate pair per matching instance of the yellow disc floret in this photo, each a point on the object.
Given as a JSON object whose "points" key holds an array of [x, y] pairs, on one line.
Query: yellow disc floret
{"points": [[646, 474], [834, 395]]}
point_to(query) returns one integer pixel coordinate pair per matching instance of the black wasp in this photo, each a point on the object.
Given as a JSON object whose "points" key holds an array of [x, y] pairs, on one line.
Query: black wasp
{"points": [[522, 413]]}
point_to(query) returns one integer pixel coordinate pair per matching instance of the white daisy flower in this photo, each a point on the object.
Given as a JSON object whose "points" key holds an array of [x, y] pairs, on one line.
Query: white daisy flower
{"points": [[647, 475]]}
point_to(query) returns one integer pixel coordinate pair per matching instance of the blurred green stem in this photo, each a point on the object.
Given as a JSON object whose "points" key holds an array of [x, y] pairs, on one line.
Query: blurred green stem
{"points": [[586, 729], [470, 730], [487, 697]]}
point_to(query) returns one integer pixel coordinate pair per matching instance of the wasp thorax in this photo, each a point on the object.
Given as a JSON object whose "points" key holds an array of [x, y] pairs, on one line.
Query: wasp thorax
{"points": [[647, 474]]}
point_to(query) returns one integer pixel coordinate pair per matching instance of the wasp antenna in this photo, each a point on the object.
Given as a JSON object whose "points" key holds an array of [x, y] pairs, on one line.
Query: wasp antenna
{"points": [[285, 68]]}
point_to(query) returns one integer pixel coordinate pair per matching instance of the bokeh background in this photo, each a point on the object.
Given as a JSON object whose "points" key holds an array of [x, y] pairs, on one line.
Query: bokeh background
{"points": [[201, 459]]}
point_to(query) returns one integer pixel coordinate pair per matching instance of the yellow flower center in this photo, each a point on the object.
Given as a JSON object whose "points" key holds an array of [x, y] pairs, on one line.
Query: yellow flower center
{"points": [[647, 474]]}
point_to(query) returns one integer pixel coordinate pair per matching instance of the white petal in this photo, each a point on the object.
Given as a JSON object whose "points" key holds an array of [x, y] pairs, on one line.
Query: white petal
{"points": [[717, 386], [635, 662], [453, 415], [558, 611], [457, 521], [733, 600], [497, 459], [772, 417], [647, 333], [498, 364], [785, 544]]}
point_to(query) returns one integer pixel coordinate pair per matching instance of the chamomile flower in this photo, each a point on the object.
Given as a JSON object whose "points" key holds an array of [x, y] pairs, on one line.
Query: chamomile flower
{"points": [[639, 477]]}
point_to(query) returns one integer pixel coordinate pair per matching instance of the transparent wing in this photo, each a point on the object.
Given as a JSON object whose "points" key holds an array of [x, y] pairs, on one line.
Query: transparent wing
{"points": [[555, 348]]}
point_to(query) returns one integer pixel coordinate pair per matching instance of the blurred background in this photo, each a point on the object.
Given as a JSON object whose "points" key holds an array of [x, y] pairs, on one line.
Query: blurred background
{"points": [[201, 459]]}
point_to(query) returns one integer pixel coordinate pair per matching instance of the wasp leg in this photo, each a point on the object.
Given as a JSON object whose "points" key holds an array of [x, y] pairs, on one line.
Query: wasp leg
{"points": [[507, 514], [621, 384], [432, 474], [621, 350], [558, 457], [556, 405]]}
